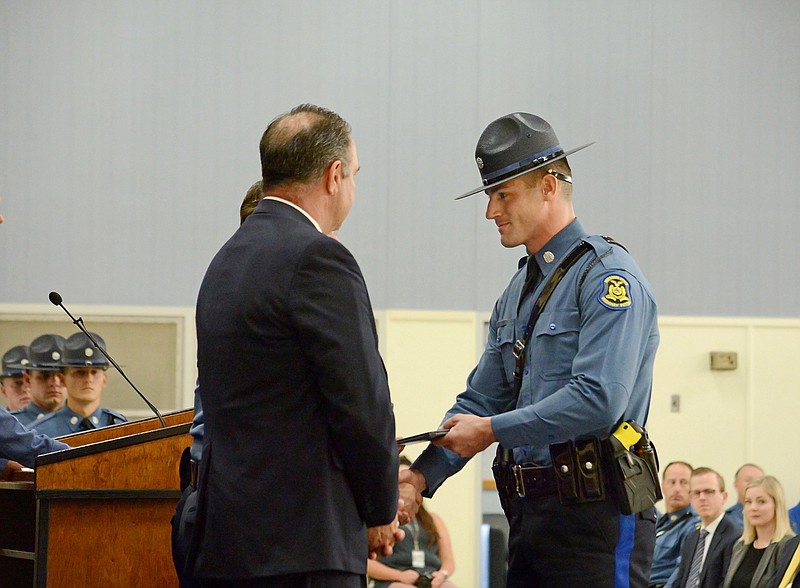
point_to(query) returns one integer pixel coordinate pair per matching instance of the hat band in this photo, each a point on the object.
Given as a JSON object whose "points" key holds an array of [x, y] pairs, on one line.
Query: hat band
{"points": [[530, 162]]}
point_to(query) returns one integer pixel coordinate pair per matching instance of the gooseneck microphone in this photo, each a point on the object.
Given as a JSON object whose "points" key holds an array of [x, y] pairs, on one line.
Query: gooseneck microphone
{"points": [[56, 299]]}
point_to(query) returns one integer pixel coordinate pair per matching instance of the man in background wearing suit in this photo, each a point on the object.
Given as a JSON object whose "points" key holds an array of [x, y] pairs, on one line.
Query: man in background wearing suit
{"points": [[704, 563], [298, 479]]}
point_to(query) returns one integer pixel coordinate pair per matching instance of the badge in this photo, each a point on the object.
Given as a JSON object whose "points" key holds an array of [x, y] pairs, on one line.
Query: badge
{"points": [[417, 558], [614, 293]]}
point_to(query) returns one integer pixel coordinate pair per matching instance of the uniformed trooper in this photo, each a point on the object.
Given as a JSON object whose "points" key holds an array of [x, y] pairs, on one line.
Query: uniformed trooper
{"points": [[44, 377], [13, 386], [568, 360], [84, 368]]}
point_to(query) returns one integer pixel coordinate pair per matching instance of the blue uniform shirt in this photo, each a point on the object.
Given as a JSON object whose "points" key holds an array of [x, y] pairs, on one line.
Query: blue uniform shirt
{"points": [[671, 530], [19, 444], [29, 414], [65, 422], [736, 514], [794, 517], [589, 363]]}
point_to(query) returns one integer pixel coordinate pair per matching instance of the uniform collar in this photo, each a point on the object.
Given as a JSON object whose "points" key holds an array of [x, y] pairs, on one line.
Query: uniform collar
{"points": [[70, 416], [549, 256]]}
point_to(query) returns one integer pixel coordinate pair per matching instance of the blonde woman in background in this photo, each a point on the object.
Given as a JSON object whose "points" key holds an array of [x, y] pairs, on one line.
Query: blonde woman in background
{"points": [[766, 531]]}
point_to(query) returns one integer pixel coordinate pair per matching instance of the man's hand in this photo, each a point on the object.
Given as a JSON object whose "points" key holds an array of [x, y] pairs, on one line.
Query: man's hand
{"points": [[9, 470], [468, 434], [409, 576], [410, 500], [381, 539]]}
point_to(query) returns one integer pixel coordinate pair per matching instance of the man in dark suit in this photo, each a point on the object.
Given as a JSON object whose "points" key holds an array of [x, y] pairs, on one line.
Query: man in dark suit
{"points": [[706, 552], [298, 482]]}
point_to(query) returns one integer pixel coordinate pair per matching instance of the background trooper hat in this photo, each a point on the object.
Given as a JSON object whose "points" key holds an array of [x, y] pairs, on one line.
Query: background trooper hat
{"points": [[514, 145], [79, 351], [14, 361], [44, 353]]}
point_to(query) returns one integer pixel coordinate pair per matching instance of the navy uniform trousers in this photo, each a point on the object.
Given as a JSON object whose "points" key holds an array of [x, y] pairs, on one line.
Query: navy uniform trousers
{"points": [[589, 545]]}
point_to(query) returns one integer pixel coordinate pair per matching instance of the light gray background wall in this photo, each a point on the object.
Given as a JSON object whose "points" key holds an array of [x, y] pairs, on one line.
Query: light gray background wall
{"points": [[129, 133]]}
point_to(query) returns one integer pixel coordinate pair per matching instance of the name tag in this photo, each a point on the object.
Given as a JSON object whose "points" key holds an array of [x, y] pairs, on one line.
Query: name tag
{"points": [[418, 558]]}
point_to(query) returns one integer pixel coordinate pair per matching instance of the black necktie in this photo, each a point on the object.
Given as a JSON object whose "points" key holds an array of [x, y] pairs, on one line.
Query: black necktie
{"points": [[86, 425], [534, 276]]}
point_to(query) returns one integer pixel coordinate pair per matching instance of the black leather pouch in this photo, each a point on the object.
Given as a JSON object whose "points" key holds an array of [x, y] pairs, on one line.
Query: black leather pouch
{"points": [[563, 457], [590, 469]]}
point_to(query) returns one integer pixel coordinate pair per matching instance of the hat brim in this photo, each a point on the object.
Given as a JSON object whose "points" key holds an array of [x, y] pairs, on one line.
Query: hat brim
{"points": [[522, 173], [42, 368]]}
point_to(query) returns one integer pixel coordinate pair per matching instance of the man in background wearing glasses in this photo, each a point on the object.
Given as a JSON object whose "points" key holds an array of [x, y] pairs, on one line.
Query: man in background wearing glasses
{"points": [[706, 553]]}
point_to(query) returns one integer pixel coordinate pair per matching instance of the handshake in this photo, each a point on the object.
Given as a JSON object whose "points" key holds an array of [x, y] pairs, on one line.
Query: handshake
{"points": [[382, 538]]}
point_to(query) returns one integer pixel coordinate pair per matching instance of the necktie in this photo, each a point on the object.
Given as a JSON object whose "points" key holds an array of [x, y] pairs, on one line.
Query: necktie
{"points": [[697, 561], [532, 278], [86, 425]]}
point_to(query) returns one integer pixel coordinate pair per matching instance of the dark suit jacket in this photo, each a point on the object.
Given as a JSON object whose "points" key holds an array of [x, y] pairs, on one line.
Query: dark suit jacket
{"points": [[784, 557], [766, 567], [717, 559], [299, 455]]}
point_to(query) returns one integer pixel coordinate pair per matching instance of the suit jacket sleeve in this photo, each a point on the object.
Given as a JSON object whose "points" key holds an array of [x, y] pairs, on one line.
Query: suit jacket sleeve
{"points": [[336, 328]]}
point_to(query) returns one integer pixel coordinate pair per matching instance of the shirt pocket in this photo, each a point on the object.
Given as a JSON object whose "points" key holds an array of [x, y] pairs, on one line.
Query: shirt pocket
{"points": [[555, 344]]}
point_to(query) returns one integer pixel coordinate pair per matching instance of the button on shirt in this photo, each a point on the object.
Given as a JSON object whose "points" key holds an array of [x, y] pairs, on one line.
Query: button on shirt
{"points": [[29, 414], [587, 367], [65, 421]]}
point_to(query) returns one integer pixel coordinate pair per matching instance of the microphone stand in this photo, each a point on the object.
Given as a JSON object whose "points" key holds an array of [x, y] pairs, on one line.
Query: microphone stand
{"points": [[56, 299]]}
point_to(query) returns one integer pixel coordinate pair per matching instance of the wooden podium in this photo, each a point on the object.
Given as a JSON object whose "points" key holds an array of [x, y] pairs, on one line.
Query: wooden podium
{"points": [[97, 514]]}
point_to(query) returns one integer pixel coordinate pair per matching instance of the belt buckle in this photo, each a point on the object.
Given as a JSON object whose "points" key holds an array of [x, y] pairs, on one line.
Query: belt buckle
{"points": [[519, 480]]}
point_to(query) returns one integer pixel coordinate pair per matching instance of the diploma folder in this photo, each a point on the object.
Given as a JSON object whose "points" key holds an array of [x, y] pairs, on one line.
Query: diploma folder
{"points": [[430, 435]]}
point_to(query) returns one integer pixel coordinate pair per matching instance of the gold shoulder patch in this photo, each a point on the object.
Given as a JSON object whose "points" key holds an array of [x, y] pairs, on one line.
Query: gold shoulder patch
{"points": [[615, 293]]}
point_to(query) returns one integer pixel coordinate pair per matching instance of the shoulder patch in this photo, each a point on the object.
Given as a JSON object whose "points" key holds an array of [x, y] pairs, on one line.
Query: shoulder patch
{"points": [[615, 293]]}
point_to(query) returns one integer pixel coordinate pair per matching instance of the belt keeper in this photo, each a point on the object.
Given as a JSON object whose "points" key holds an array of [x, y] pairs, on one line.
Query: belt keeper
{"points": [[193, 473]]}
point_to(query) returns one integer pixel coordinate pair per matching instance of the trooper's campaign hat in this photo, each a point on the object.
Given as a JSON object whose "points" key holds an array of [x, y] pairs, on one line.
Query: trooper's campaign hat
{"points": [[14, 361], [44, 353], [79, 351], [515, 145]]}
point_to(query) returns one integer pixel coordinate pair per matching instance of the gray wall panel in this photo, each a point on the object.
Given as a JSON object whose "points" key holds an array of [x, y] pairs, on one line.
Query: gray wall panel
{"points": [[129, 134]]}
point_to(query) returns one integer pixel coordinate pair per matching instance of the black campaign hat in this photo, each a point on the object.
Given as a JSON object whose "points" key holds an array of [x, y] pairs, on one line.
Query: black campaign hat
{"points": [[45, 353], [515, 145], [79, 351], [14, 361]]}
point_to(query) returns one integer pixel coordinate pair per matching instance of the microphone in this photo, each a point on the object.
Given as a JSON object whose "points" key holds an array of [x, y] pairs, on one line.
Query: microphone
{"points": [[56, 300]]}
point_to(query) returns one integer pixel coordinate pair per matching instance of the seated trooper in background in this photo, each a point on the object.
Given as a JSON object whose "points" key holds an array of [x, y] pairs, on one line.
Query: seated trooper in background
{"points": [[44, 377], [13, 386], [84, 369], [673, 527]]}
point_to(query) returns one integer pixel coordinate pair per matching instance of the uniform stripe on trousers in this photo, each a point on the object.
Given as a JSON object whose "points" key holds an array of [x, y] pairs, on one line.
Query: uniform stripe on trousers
{"points": [[622, 556]]}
